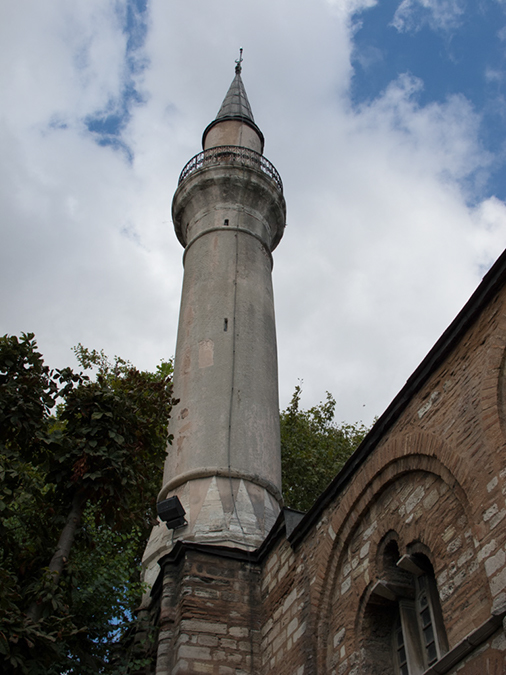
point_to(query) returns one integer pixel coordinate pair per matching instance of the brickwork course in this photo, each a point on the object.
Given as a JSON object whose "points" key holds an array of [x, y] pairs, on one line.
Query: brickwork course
{"points": [[429, 480]]}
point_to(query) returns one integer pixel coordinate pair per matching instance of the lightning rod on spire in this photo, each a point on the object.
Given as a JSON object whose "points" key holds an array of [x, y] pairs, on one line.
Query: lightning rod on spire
{"points": [[238, 67]]}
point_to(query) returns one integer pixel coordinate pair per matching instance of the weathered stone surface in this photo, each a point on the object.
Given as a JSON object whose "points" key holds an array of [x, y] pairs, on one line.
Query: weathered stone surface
{"points": [[210, 634]]}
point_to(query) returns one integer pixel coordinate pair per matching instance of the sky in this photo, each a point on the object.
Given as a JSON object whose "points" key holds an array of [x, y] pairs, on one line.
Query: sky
{"points": [[385, 119]]}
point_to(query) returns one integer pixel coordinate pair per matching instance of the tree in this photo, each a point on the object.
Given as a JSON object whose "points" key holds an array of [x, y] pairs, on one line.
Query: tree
{"points": [[313, 449], [80, 460], [80, 465]]}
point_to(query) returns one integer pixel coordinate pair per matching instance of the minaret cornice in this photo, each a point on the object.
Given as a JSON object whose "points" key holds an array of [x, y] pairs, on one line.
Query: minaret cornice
{"points": [[231, 155], [243, 196]]}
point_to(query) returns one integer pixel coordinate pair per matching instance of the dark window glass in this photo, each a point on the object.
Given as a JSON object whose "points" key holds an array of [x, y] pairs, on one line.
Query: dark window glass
{"points": [[426, 622], [402, 660], [432, 653]]}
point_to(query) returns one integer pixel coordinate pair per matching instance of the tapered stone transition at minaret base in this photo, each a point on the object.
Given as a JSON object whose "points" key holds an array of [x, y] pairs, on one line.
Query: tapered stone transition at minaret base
{"points": [[220, 509]]}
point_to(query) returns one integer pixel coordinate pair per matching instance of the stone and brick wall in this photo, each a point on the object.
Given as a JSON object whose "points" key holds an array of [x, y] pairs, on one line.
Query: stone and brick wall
{"points": [[436, 479], [435, 482], [209, 615], [286, 612]]}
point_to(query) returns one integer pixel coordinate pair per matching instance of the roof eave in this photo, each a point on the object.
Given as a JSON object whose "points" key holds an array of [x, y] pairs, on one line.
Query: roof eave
{"points": [[491, 283]]}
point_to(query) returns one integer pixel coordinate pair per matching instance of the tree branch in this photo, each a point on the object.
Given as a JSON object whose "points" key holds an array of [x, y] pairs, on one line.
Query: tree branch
{"points": [[63, 547]]}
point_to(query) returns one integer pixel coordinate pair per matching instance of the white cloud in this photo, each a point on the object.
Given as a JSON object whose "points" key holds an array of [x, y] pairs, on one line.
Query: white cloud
{"points": [[368, 56], [380, 238], [438, 14], [59, 62], [381, 248], [443, 137], [348, 8]]}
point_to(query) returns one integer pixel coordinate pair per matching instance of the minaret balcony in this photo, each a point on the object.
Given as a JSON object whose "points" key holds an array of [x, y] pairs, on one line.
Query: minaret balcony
{"points": [[231, 155]]}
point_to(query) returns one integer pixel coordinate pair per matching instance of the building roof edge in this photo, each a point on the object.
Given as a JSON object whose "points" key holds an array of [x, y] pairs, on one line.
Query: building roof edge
{"points": [[493, 280]]}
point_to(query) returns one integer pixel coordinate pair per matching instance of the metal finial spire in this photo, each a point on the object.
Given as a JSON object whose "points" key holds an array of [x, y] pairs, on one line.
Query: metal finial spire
{"points": [[238, 62]]}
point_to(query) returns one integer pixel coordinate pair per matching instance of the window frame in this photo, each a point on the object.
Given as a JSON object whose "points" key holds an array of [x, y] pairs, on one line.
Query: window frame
{"points": [[421, 653]]}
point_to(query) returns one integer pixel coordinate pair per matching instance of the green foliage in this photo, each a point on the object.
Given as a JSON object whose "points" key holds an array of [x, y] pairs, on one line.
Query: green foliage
{"points": [[28, 392], [313, 449], [80, 464], [93, 448], [113, 436], [105, 589]]}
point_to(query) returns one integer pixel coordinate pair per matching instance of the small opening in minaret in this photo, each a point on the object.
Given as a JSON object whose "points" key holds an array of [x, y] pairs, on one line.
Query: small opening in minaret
{"points": [[226, 222], [225, 325]]}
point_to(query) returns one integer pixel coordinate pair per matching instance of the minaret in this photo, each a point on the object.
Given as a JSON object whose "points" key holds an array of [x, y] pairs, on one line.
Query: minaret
{"points": [[224, 462]]}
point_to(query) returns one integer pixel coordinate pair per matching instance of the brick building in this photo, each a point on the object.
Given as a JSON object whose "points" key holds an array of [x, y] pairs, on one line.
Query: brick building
{"points": [[400, 565]]}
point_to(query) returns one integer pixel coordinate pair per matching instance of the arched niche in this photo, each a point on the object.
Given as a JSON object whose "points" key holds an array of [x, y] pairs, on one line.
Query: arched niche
{"points": [[417, 499]]}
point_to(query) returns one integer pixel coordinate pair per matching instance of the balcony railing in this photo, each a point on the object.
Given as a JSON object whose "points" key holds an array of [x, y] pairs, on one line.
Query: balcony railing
{"points": [[231, 154]]}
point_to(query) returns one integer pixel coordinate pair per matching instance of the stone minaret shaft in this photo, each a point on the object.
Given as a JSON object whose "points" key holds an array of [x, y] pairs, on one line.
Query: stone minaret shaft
{"points": [[229, 214]]}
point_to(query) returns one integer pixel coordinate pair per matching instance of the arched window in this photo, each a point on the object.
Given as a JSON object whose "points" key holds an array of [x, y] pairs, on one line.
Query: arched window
{"points": [[421, 617], [406, 602]]}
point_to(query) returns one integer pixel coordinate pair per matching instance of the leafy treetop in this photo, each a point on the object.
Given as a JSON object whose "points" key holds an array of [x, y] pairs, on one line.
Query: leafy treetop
{"points": [[313, 449], [80, 460]]}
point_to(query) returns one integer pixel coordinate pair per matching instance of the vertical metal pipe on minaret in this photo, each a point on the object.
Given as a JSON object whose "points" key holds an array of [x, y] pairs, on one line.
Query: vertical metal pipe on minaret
{"points": [[224, 463]]}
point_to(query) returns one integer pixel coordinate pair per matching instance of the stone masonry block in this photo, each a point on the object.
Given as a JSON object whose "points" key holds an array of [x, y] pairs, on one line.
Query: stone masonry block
{"points": [[239, 631], [498, 583], [188, 651], [193, 626], [495, 562]]}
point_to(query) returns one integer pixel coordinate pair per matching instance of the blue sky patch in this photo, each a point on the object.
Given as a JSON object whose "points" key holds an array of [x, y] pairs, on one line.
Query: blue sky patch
{"points": [[107, 125], [464, 56]]}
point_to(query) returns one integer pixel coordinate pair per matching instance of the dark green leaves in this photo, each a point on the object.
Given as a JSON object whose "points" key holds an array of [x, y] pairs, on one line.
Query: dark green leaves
{"points": [[313, 449], [86, 451]]}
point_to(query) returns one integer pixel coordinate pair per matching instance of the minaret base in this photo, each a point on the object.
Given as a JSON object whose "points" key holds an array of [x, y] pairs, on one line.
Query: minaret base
{"points": [[207, 601], [225, 510]]}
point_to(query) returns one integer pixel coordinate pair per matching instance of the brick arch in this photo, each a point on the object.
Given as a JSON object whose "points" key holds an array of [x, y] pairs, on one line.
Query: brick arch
{"points": [[493, 399], [420, 453], [493, 385]]}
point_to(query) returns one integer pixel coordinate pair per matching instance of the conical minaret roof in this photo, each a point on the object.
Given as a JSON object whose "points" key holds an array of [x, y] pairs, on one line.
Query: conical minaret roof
{"points": [[235, 106]]}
